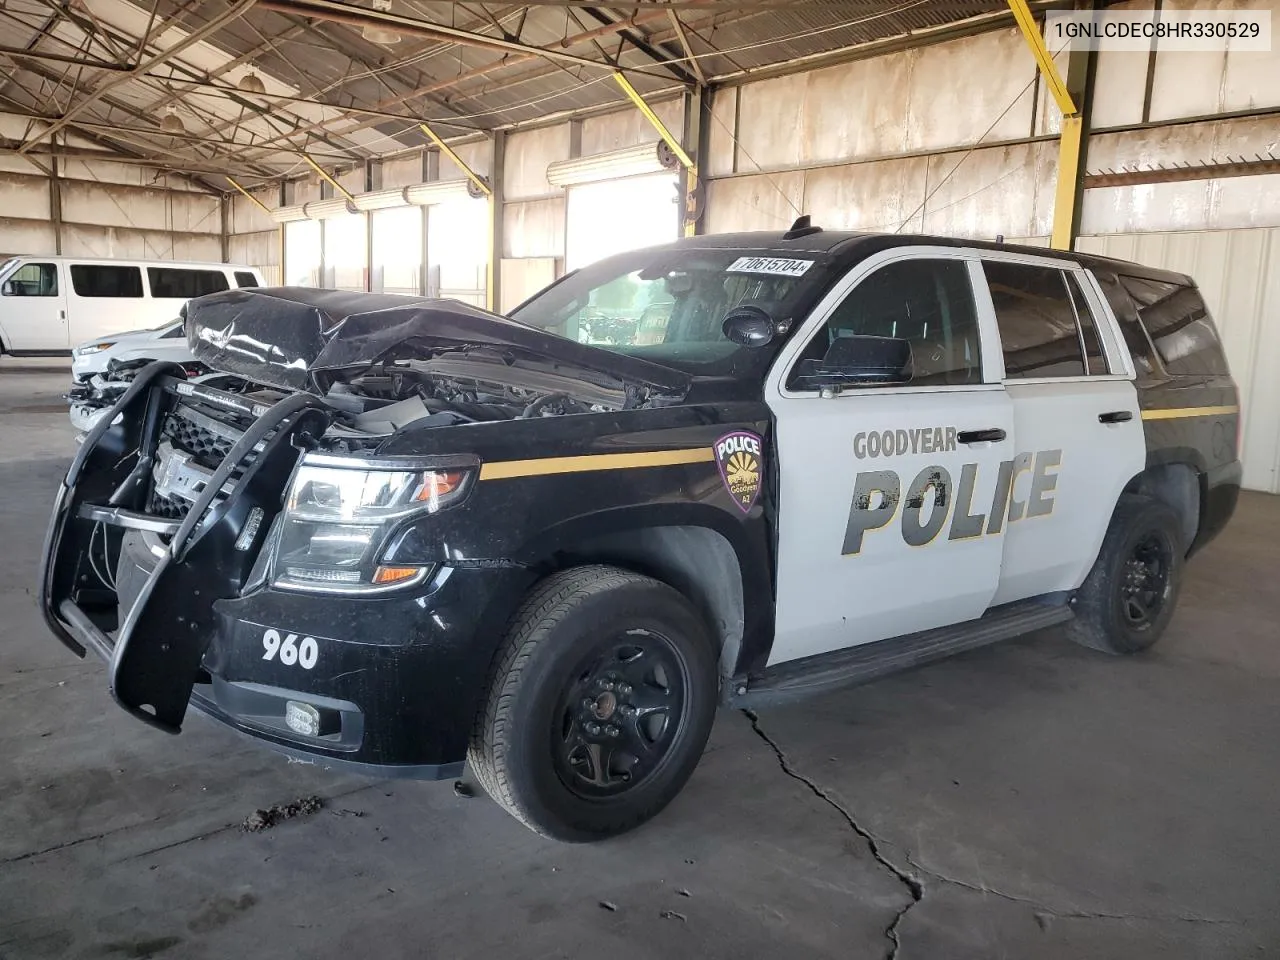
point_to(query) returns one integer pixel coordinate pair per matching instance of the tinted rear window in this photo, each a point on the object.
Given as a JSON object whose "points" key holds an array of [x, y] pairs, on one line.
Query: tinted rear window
{"points": [[245, 279], [183, 283], [101, 280], [1179, 325]]}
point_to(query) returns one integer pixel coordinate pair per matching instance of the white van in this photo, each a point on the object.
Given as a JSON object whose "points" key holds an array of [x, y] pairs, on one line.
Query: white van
{"points": [[49, 304]]}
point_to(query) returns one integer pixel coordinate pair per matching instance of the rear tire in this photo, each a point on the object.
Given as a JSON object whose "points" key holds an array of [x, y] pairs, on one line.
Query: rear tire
{"points": [[1128, 599], [599, 706]]}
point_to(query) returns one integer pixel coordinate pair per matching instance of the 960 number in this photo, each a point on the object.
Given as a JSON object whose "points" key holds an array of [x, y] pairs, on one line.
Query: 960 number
{"points": [[292, 649]]}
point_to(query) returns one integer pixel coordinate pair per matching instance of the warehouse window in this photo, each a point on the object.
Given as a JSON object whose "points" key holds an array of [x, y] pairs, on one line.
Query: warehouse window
{"points": [[928, 303], [1178, 322], [245, 278], [1037, 321], [100, 280], [181, 283], [33, 280]]}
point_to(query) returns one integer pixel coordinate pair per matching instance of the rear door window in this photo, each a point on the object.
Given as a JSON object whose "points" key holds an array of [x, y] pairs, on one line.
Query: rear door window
{"points": [[1094, 356], [245, 279], [183, 283], [103, 280], [1178, 322], [1039, 332]]}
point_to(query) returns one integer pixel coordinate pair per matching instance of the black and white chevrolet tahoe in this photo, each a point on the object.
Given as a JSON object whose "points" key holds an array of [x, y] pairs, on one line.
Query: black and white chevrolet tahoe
{"points": [[735, 470]]}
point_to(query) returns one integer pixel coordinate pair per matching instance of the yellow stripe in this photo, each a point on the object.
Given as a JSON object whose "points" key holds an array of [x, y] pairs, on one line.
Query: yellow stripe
{"points": [[1177, 413], [506, 469]]}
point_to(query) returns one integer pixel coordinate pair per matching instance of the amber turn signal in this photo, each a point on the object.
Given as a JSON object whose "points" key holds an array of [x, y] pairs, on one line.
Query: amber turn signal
{"points": [[437, 483], [386, 575]]}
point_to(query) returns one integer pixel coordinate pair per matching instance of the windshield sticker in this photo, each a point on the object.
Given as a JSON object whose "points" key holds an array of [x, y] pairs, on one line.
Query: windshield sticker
{"points": [[775, 265], [739, 457]]}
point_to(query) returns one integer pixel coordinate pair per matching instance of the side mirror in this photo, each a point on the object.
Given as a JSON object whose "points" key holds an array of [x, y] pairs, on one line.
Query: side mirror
{"points": [[6, 290], [858, 360], [748, 325]]}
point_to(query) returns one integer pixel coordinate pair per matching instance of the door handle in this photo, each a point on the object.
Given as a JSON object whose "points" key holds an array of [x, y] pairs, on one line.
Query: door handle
{"points": [[1116, 416], [988, 435]]}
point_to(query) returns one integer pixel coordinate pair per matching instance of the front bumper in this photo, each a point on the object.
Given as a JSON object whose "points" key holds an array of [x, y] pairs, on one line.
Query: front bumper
{"points": [[391, 684]]}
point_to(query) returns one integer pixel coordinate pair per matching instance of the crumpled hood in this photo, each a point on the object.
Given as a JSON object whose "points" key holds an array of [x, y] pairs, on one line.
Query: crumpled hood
{"points": [[297, 338]]}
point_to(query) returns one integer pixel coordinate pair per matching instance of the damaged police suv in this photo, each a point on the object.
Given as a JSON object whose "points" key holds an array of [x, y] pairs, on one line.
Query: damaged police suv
{"points": [[733, 470]]}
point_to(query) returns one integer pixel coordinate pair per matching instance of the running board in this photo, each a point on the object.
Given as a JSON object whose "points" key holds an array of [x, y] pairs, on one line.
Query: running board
{"points": [[797, 679]]}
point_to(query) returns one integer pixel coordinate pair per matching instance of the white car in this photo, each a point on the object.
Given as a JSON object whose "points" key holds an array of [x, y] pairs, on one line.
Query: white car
{"points": [[94, 388]]}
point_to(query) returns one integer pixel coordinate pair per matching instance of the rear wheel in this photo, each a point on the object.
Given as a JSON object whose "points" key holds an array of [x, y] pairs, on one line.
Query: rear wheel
{"points": [[1128, 599], [599, 706]]}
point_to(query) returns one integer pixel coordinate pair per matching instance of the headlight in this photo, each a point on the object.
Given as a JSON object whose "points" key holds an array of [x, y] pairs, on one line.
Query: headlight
{"points": [[89, 348], [337, 519]]}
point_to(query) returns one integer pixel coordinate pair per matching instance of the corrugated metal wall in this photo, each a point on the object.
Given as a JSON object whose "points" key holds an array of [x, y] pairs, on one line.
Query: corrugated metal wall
{"points": [[1239, 273]]}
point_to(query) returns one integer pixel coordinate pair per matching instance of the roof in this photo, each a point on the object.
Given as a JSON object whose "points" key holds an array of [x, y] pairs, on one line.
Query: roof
{"points": [[257, 82], [852, 247]]}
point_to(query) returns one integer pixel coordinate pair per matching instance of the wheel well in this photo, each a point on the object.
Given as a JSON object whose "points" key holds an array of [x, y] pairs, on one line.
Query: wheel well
{"points": [[697, 561], [1176, 485]]}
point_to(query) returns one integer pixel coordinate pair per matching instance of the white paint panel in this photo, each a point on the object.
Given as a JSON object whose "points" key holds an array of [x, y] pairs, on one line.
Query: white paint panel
{"points": [[754, 203], [1237, 202], [1238, 272], [527, 156], [1192, 84], [992, 192], [24, 197], [26, 236], [627, 128], [950, 106], [247, 217], [724, 105], [402, 171], [521, 279], [877, 196], [534, 228], [478, 156]]}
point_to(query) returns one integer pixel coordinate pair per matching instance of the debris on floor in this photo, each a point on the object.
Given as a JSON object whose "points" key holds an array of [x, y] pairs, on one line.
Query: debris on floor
{"points": [[261, 820]]}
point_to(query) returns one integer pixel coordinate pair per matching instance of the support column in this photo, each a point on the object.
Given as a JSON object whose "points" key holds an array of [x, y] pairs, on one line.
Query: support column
{"points": [[1071, 144], [697, 140], [55, 200], [496, 240]]}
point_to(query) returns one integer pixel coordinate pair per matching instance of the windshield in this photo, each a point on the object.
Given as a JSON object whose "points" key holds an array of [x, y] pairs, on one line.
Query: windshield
{"points": [[667, 305]]}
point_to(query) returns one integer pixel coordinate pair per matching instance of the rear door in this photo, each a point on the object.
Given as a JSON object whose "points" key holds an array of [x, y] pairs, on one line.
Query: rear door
{"points": [[1076, 417], [33, 308], [885, 520]]}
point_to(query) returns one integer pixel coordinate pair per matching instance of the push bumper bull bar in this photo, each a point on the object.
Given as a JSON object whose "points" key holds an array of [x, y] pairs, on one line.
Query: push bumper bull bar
{"points": [[159, 641]]}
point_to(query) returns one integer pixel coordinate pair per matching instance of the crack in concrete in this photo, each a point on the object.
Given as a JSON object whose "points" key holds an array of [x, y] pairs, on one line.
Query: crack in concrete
{"points": [[911, 878], [908, 880], [1063, 914]]}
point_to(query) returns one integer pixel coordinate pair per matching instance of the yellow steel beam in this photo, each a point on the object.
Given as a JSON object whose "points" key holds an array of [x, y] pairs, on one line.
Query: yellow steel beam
{"points": [[691, 168], [263, 206], [320, 170], [654, 120], [448, 151], [1049, 69], [1068, 186], [1064, 197]]}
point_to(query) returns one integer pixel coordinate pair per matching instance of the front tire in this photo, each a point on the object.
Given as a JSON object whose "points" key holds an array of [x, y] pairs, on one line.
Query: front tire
{"points": [[1128, 599], [600, 703]]}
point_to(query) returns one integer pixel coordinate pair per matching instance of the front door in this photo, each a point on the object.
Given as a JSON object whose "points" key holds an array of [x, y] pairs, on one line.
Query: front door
{"points": [[33, 309], [892, 499]]}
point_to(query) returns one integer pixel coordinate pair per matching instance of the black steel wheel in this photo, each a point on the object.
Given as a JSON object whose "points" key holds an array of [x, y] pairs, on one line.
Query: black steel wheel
{"points": [[619, 714], [599, 706], [1128, 599], [1146, 580]]}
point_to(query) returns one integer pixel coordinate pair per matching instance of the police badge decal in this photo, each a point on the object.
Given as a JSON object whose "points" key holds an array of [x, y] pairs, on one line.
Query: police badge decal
{"points": [[738, 455]]}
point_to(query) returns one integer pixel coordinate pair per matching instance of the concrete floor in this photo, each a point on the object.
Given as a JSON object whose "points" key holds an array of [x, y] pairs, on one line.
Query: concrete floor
{"points": [[1042, 800]]}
